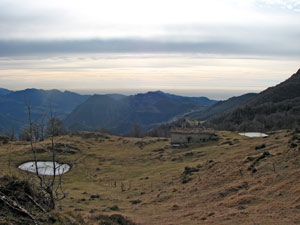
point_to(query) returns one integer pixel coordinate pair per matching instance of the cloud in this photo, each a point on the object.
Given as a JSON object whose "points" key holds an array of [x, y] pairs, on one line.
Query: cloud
{"points": [[56, 19], [284, 46], [293, 5], [190, 44]]}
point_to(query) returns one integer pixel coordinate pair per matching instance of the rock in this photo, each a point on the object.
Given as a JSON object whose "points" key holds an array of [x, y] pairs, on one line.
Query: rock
{"points": [[175, 207], [114, 208], [134, 202], [293, 145], [95, 196], [188, 154], [227, 142], [262, 156], [260, 146], [188, 171]]}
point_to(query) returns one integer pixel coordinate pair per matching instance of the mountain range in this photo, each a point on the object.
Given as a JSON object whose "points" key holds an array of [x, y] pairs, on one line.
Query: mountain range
{"points": [[115, 112], [13, 112], [118, 115], [277, 107]]}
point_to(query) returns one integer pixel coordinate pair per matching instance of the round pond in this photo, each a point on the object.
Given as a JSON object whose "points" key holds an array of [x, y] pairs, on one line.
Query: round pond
{"points": [[45, 167], [253, 134]]}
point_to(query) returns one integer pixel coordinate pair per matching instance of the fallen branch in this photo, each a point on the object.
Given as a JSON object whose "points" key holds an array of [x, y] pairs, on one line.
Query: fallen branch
{"points": [[37, 204], [15, 206]]}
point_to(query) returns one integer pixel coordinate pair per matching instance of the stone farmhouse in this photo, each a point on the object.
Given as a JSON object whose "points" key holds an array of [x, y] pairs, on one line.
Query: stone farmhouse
{"points": [[191, 135]]}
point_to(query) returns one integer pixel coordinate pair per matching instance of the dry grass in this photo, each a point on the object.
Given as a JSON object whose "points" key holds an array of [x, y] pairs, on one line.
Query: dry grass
{"points": [[144, 180]]}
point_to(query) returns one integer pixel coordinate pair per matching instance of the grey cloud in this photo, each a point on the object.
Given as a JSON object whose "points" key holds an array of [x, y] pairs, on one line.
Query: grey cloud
{"points": [[19, 20], [16, 48]]}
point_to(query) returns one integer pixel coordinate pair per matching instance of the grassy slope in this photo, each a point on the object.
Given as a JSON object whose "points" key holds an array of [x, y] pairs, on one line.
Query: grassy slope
{"points": [[222, 192]]}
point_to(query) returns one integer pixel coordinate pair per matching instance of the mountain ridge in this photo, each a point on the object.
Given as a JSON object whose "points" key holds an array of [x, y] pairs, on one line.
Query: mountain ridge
{"points": [[4, 91], [13, 105], [146, 109], [275, 108], [220, 107]]}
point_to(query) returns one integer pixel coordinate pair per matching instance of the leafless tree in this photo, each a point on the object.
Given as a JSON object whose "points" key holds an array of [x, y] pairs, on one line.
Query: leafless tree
{"points": [[10, 133], [52, 185], [135, 131], [54, 126], [102, 130]]}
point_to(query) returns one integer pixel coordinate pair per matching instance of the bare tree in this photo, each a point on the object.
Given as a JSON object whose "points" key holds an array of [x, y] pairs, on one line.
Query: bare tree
{"points": [[35, 132], [55, 126], [102, 130], [10, 133], [52, 185], [135, 131]]}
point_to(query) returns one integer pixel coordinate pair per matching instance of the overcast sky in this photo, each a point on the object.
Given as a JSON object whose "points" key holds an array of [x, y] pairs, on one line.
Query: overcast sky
{"points": [[216, 48]]}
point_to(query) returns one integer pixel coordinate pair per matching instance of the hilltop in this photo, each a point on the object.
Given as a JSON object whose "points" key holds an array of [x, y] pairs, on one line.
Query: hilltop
{"points": [[275, 108], [234, 180]]}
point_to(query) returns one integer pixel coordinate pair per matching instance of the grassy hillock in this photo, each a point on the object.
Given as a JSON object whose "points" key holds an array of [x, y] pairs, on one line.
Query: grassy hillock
{"points": [[235, 180]]}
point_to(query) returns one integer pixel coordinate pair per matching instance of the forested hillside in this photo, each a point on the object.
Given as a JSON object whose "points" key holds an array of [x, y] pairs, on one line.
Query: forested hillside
{"points": [[275, 108]]}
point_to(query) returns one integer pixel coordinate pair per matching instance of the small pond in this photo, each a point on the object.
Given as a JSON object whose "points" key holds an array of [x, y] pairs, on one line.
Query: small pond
{"points": [[253, 134], [45, 167]]}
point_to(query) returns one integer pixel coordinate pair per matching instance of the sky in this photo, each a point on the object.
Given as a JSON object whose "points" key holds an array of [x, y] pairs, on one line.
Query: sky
{"points": [[213, 48]]}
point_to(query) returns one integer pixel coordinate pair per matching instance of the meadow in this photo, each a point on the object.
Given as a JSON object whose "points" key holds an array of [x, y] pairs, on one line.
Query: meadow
{"points": [[234, 180]]}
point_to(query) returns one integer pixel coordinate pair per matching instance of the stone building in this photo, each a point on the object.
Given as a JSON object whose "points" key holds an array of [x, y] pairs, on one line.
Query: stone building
{"points": [[191, 135]]}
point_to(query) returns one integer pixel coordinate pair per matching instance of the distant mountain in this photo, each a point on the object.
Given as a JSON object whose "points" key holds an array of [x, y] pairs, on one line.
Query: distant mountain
{"points": [[203, 101], [8, 123], [119, 114], [4, 91], [116, 96], [13, 113], [220, 107], [275, 108]]}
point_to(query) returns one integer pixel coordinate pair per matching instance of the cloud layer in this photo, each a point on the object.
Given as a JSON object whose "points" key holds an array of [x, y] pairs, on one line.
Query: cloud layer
{"points": [[171, 44]]}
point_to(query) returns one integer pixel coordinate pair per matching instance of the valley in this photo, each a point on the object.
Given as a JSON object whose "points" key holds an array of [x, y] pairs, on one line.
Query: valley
{"points": [[228, 181]]}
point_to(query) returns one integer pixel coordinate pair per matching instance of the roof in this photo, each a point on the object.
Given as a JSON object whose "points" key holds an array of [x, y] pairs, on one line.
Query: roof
{"points": [[192, 131]]}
